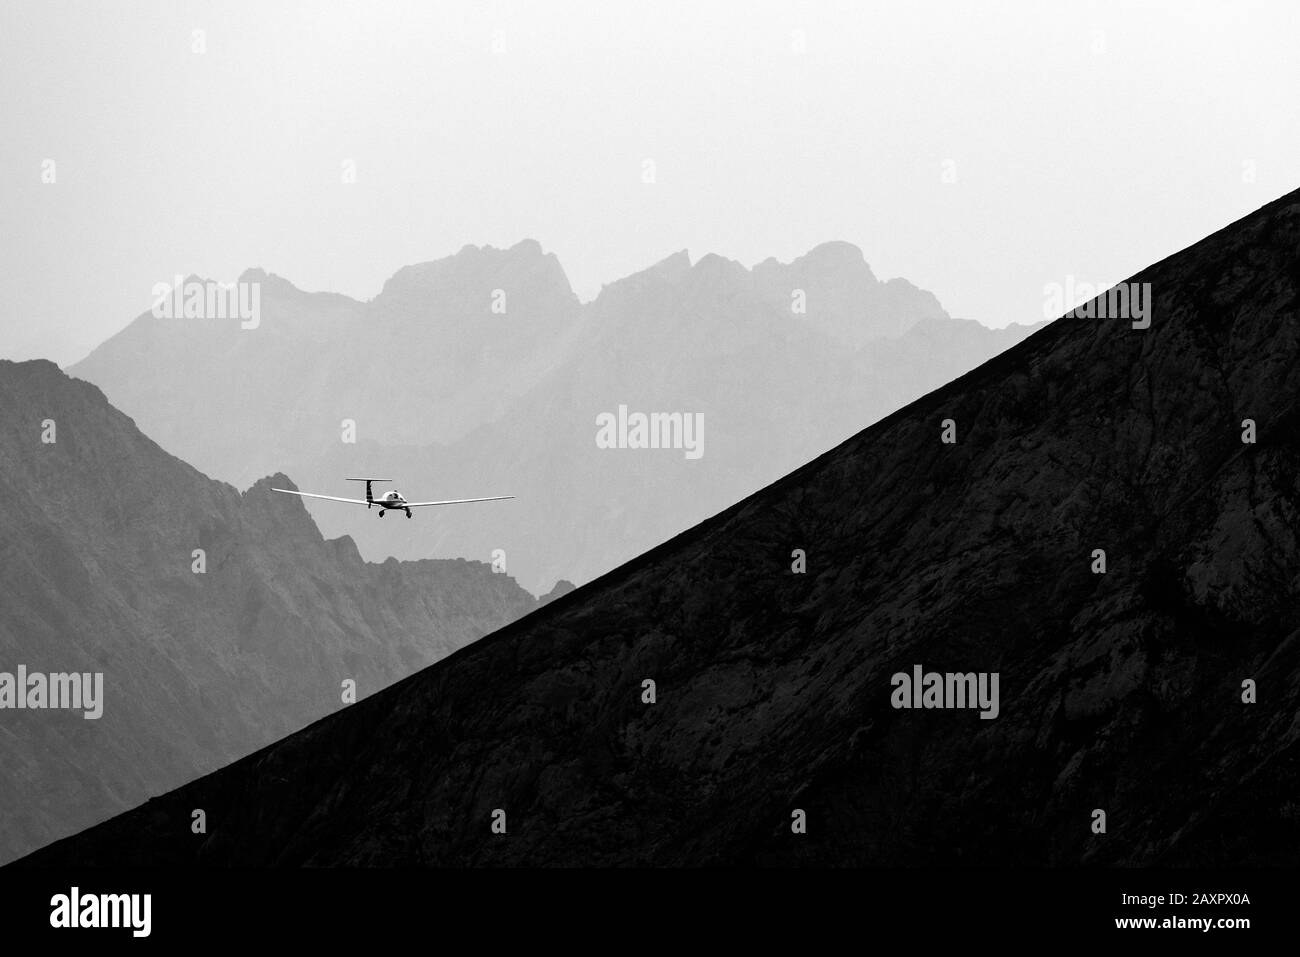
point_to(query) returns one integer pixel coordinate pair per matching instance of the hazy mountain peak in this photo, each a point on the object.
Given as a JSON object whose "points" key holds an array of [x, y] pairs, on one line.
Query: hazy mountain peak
{"points": [[528, 247], [836, 252], [268, 482], [562, 588], [837, 259], [672, 268], [524, 249], [669, 270], [712, 267], [525, 265], [274, 283], [836, 288]]}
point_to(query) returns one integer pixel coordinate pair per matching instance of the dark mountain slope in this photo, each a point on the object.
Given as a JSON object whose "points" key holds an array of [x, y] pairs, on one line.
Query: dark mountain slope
{"points": [[1119, 692], [97, 537]]}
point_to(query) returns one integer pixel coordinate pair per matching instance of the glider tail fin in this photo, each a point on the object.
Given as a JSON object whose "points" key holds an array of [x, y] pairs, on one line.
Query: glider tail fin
{"points": [[370, 499]]}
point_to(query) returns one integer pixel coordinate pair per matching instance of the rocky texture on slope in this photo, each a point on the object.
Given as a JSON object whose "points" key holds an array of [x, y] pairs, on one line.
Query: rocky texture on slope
{"points": [[482, 374], [98, 532], [1120, 692]]}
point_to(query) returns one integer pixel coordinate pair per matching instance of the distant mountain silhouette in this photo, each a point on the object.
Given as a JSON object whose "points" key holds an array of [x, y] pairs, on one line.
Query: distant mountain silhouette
{"points": [[97, 568], [1124, 691], [453, 399], [562, 588]]}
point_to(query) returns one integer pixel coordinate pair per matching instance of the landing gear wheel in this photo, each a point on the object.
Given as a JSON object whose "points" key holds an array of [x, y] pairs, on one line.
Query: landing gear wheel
{"points": [[408, 513], [381, 513]]}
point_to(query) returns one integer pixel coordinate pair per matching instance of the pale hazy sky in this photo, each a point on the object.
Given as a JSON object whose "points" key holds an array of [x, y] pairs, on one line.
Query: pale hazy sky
{"points": [[1087, 139]]}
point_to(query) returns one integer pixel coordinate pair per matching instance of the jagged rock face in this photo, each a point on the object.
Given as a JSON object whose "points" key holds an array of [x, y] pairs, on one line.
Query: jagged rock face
{"points": [[1120, 692], [482, 374], [97, 569]]}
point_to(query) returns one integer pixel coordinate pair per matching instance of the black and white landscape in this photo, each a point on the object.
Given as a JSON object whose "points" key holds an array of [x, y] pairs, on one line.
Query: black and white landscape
{"points": [[441, 387], [1161, 691], [831, 436], [207, 666]]}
